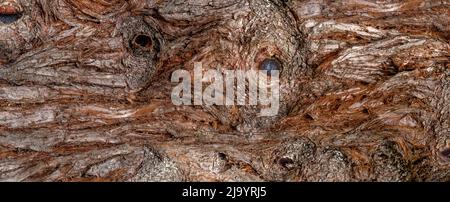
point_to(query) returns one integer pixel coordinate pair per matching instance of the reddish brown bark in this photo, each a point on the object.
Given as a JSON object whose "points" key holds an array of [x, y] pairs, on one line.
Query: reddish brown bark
{"points": [[85, 90]]}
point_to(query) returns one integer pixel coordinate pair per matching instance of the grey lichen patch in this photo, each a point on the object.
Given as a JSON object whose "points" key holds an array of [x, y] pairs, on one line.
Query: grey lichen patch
{"points": [[333, 164], [215, 162], [85, 84], [390, 164], [156, 167]]}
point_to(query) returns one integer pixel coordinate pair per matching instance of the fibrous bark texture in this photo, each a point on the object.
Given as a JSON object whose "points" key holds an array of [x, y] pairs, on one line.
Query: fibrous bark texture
{"points": [[85, 90]]}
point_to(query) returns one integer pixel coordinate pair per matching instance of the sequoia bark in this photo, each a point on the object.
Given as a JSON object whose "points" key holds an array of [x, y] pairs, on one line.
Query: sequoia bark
{"points": [[85, 90]]}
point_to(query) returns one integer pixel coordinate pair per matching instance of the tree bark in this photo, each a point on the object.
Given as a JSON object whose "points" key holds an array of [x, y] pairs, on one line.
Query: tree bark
{"points": [[85, 90]]}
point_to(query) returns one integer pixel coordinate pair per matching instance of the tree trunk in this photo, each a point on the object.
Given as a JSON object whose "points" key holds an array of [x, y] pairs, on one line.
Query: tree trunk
{"points": [[85, 90]]}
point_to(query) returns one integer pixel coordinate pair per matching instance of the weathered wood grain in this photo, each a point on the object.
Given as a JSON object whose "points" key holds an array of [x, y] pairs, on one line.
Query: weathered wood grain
{"points": [[85, 90]]}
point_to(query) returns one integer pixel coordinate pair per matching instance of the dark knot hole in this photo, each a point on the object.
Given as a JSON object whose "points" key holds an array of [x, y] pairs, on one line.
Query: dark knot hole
{"points": [[9, 14], [286, 162], [270, 65], [143, 41]]}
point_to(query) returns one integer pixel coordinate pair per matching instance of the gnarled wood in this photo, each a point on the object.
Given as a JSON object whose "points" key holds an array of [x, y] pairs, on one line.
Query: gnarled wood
{"points": [[85, 90]]}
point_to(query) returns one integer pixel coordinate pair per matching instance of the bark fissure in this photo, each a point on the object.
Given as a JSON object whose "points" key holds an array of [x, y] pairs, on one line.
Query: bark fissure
{"points": [[85, 90]]}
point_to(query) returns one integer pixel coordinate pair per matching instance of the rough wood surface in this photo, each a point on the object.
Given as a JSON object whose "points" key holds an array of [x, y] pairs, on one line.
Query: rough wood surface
{"points": [[85, 90]]}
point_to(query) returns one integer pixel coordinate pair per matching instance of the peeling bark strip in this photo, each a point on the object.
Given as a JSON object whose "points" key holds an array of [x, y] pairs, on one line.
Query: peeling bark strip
{"points": [[85, 90]]}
